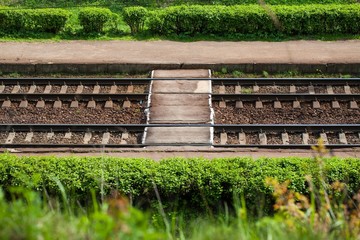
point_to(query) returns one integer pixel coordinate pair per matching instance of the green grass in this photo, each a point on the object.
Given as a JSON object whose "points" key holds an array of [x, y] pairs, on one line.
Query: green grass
{"points": [[328, 209], [29, 215], [288, 74], [123, 33]]}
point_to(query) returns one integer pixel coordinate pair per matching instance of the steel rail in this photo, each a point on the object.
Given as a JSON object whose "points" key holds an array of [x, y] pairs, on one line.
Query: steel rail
{"points": [[54, 145], [105, 146], [286, 146], [286, 81], [315, 128], [72, 96], [217, 127], [87, 127], [42, 145], [75, 81], [284, 97], [289, 128], [215, 81], [72, 127]]}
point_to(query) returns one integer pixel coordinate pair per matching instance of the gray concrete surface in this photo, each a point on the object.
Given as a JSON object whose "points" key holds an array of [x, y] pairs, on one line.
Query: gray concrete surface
{"points": [[182, 73], [173, 99], [180, 102], [181, 86], [184, 114], [142, 56], [178, 135]]}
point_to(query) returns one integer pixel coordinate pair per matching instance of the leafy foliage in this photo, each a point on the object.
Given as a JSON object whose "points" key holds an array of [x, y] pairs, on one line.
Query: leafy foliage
{"points": [[157, 3], [94, 19], [29, 216], [180, 182], [256, 19], [135, 17], [39, 20]]}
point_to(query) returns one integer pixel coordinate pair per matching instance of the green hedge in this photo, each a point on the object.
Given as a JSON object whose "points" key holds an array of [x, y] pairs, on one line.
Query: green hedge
{"points": [[39, 20], [135, 17], [94, 19], [188, 183], [157, 3], [255, 19]]}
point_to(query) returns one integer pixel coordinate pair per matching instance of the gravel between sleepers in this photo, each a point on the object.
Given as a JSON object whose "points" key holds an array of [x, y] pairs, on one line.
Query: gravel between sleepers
{"points": [[81, 115], [286, 115], [230, 89]]}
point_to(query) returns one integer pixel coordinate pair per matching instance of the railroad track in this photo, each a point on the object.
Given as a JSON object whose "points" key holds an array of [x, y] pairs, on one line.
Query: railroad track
{"points": [[131, 135], [103, 129], [70, 135], [58, 91], [289, 85], [313, 102], [73, 81], [286, 135], [279, 90]]}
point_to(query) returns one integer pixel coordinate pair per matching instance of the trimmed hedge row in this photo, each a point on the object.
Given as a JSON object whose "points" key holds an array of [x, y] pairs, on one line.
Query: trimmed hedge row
{"points": [[53, 20], [190, 183], [158, 3], [255, 19], [39, 20], [190, 20]]}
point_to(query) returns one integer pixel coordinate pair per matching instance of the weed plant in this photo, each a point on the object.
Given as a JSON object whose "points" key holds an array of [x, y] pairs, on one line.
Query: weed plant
{"points": [[325, 211], [287, 74]]}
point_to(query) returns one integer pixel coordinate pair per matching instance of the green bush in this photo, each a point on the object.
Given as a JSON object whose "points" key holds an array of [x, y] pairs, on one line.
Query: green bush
{"points": [[39, 20], [46, 20], [12, 21], [158, 3], [314, 19], [255, 19], [135, 17], [188, 183], [94, 19]]}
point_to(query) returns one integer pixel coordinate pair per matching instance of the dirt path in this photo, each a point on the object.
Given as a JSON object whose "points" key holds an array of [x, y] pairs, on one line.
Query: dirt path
{"points": [[169, 52]]}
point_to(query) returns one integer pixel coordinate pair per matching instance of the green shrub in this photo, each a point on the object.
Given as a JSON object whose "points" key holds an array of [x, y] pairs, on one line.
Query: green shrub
{"points": [[219, 20], [158, 3], [39, 20], [315, 19], [94, 19], [11, 21], [135, 17], [46, 20], [255, 19], [188, 183]]}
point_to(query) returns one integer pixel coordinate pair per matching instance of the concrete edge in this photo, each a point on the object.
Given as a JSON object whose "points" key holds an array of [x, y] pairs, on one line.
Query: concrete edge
{"points": [[147, 110], [91, 68]]}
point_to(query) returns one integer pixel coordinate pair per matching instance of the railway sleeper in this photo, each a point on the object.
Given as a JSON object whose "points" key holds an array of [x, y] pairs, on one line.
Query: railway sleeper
{"points": [[88, 137], [311, 89], [79, 89], [316, 104], [59, 103], [286, 138]]}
